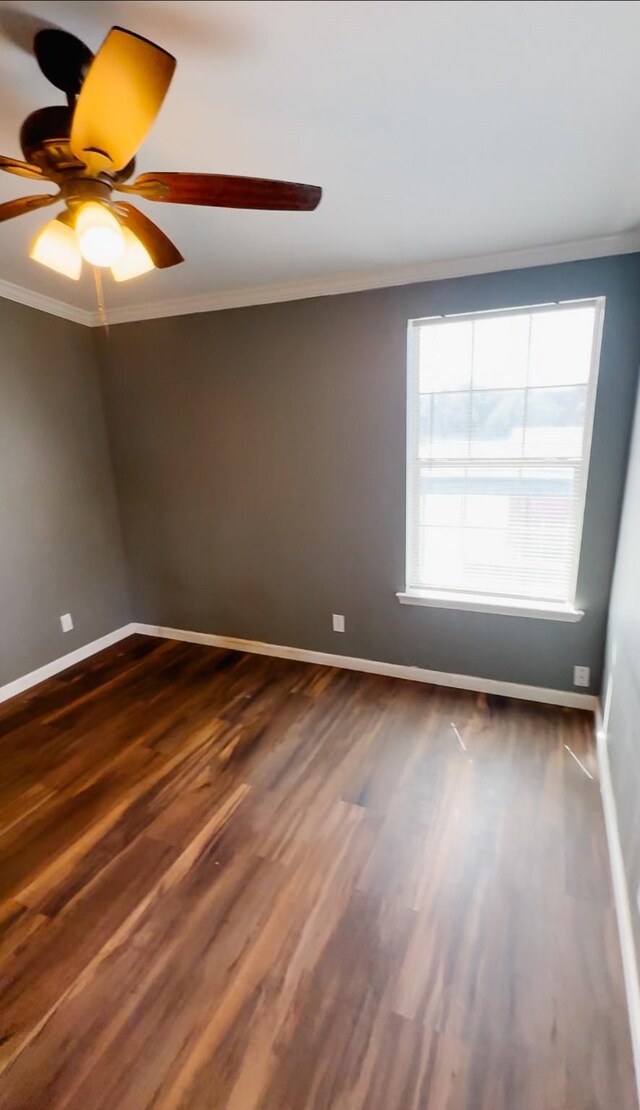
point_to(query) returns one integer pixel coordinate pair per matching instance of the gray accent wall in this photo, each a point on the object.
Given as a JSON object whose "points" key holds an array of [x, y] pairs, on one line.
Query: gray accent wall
{"points": [[622, 681], [60, 537], [260, 463]]}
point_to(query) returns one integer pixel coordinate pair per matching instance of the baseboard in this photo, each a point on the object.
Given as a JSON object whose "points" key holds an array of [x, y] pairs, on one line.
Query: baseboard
{"points": [[369, 666], [346, 662], [26, 681], [621, 898]]}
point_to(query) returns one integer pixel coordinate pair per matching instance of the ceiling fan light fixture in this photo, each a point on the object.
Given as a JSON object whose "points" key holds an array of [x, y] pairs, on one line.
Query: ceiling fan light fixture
{"points": [[135, 260], [98, 234], [55, 246]]}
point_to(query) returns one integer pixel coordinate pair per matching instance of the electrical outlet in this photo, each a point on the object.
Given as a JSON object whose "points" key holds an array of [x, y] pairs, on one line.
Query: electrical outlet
{"points": [[66, 621], [581, 676], [338, 622]]}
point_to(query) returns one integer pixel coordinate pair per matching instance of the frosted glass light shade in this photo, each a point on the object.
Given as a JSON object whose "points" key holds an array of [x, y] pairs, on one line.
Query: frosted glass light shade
{"points": [[135, 260], [99, 234], [55, 246]]}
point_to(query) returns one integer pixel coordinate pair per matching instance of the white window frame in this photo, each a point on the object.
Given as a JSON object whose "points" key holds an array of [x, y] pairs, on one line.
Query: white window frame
{"points": [[509, 606]]}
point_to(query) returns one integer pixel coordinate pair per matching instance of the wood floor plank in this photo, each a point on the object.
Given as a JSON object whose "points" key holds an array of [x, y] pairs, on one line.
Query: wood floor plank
{"points": [[248, 883], [17, 923]]}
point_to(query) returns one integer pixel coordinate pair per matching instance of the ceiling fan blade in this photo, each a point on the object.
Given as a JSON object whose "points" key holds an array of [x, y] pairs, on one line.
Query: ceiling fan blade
{"points": [[22, 205], [162, 251], [63, 58], [224, 191], [119, 100], [22, 169]]}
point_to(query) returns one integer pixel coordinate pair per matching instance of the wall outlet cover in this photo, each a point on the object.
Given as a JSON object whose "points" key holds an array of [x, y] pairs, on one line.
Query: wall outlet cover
{"points": [[581, 676], [66, 621], [338, 622]]}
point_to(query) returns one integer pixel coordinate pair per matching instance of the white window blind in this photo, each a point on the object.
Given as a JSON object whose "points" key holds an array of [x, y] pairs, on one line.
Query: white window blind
{"points": [[500, 409]]}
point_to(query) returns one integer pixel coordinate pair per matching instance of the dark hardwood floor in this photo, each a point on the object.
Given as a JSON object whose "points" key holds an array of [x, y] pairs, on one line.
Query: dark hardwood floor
{"points": [[233, 881]]}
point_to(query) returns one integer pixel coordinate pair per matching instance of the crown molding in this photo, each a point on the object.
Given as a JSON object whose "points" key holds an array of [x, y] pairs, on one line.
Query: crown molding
{"points": [[333, 285], [361, 281], [54, 307]]}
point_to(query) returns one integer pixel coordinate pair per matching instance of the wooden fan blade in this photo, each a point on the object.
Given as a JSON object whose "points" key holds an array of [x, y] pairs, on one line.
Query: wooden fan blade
{"points": [[22, 169], [162, 251], [119, 100], [224, 191], [22, 205]]}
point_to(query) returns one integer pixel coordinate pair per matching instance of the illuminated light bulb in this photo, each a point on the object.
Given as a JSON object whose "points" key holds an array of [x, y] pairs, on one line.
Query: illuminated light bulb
{"points": [[135, 261], [99, 234], [55, 246]]}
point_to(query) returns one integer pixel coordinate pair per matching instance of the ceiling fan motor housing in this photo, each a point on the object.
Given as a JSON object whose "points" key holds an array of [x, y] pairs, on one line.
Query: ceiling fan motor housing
{"points": [[44, 139]]}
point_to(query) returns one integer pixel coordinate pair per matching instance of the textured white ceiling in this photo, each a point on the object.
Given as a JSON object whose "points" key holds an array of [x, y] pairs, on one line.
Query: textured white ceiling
{"points": [[437, 130]]}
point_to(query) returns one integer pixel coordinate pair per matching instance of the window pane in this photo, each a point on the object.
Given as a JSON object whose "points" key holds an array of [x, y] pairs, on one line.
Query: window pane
{"points": [[487, 501], [555, 422], [500, 352], [561, 344], [424, 431], [442, 495], [442, 556], [516, 526], [498, 418], [445, 356], [451, 413]]}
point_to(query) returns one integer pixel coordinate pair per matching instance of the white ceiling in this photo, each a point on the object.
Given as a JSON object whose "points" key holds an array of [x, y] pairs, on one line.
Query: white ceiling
{"points": [[437, 130]]}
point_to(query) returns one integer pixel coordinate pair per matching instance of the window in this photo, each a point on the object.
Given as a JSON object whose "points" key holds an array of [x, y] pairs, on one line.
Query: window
{"points": [[500, 408]]}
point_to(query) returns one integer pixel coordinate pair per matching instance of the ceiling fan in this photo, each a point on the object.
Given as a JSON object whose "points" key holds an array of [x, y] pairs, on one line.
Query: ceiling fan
{"points": [[87, 148]]}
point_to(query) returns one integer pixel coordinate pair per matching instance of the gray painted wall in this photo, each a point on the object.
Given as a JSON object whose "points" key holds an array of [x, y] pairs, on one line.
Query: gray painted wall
{"points": [[260, 461], [60, 541], [622, 683]]}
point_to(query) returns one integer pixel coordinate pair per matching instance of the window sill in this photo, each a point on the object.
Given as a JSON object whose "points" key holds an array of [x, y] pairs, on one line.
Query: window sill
{"points": [[544, 610]]}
